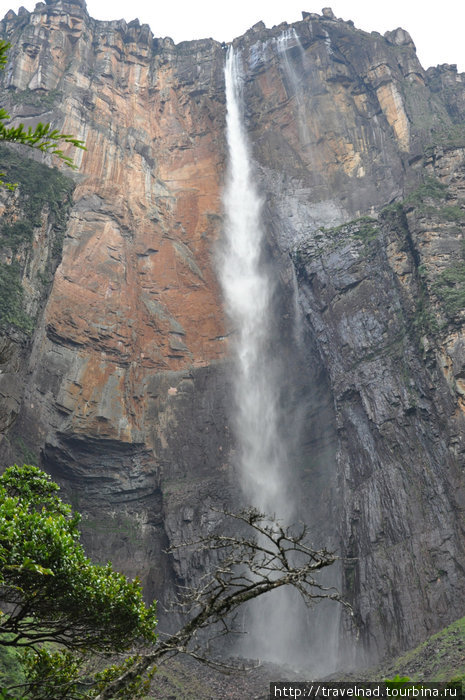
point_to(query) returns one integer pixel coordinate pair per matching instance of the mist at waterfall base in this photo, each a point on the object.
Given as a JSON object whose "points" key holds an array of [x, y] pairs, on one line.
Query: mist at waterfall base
{"points": [[278, 626]]}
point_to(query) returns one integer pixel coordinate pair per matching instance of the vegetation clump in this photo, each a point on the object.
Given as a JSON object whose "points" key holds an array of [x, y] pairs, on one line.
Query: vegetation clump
{"points": [[448, 136], [59, 609], [11, 299], [364, 229], [440, 658], [35, 98], [430, 188], [43, 137], [428, 200], [450, 288], [41, 189]]}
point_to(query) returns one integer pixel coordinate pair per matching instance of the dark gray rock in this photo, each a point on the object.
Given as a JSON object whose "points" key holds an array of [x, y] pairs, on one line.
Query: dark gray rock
{"points": [[369, 313]]}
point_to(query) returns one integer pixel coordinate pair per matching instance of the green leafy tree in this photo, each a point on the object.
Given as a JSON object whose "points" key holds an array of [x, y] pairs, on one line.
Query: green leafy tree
{"points": [[64, 613], [263, 557], [53, 595], [42, 137]]}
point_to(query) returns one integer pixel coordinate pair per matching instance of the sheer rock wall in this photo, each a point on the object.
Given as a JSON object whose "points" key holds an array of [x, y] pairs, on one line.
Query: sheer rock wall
{"points": [[122, 388]]}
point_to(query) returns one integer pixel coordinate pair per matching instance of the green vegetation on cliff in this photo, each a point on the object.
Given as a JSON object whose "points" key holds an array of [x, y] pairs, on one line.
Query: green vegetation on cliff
{"points": [[441, 657], [364, 229], [430, 200], [40, 188], [450, 288], [448, 136], [11, 299], [42, 191], [430, 188]]}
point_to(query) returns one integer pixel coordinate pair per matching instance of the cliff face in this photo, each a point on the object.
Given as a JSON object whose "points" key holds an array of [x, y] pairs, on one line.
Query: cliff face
{"points": [[382, 297], [114, 352], [122, 369]]}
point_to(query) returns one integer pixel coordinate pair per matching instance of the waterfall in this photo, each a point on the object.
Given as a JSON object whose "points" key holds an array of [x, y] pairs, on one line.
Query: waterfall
{"points": [[262, 455], [278, 625], [286, 43], [248, 291]]}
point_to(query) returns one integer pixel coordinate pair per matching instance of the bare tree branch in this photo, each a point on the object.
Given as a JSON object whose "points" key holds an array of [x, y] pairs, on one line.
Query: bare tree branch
{"points": [[268, 556]]}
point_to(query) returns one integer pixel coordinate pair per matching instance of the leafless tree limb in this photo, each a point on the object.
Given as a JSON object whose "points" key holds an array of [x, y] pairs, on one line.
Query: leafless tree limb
{"points": [[268, 556]]}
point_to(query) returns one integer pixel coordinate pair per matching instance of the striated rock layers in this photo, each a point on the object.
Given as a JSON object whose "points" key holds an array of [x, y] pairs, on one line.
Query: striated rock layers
{"points": [[114, 353]]}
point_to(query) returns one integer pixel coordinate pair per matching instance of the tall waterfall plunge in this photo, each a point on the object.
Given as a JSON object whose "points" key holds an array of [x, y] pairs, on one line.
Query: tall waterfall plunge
{"points": [[278, 626], [248, 288]]}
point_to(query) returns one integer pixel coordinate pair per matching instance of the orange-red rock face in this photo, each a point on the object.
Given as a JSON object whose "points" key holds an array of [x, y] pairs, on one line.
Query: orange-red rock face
{"points": [[135, 293], [123, 391]]}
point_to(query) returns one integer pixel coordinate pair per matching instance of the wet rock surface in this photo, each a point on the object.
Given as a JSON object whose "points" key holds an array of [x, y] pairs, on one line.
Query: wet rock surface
{"points": [[121, 387]]}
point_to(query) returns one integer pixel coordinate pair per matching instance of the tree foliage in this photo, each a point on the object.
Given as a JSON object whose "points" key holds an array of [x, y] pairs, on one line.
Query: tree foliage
{"points": [[264, 556], [42, 137], [52, 594], [64, 613]]}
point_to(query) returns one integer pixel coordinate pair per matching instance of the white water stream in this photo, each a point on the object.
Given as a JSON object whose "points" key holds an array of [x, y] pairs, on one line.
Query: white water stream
{"points": [[248, 288], [277, 624], [248, 291], [289, 40]]}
